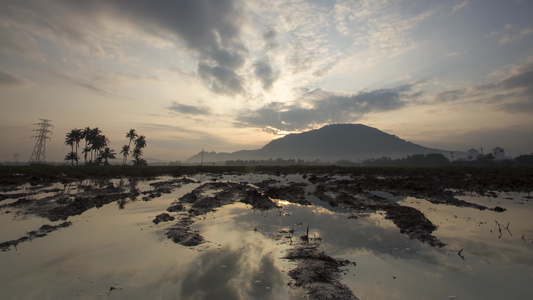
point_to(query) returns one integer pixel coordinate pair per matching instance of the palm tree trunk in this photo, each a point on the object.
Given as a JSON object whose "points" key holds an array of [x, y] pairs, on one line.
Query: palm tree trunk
{"points": [[77, 146]]}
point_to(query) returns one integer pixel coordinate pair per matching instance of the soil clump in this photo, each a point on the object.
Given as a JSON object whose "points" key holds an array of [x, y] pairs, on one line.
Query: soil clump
{"points": [[318, 273]]}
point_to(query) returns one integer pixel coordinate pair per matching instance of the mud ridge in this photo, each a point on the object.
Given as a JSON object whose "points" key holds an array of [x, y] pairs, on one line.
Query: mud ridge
{"points": [[318, 273], [41, 232]]}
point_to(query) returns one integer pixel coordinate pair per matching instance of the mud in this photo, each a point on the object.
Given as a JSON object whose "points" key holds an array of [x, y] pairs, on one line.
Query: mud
{"points": [[292, 192], [182, 233], [39, 233], [318, 273], [164, 217]]}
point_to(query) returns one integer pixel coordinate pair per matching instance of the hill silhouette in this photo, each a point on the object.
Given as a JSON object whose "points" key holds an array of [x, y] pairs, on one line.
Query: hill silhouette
{"points": [[330, 143]]}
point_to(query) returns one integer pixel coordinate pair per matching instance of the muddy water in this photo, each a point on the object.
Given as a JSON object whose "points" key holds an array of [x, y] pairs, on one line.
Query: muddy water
{"points": [[116, 251]]}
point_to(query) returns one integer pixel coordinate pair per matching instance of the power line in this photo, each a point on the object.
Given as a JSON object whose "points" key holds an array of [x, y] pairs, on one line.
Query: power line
{"points": [[39, 151]]}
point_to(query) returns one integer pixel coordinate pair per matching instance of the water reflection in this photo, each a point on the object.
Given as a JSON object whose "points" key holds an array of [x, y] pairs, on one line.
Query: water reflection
{"points": [[239, 273]]}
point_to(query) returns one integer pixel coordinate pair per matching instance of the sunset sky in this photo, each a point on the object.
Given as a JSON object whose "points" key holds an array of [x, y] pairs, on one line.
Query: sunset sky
{"points": [[227, 75]]}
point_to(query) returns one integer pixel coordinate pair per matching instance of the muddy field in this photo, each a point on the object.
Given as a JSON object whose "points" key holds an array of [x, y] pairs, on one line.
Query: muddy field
{"points": [[267, 235]]}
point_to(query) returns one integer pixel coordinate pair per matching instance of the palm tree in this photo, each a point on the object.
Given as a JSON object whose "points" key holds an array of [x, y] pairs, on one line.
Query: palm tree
{"points": [[77, 135], [85, 134], [70, 140], [137, 153], [107, 154], [86, 151], [98, 144], [138, 161], [132, 135], [125, 151], [72, 157], [140, 143], [92, 138], [73, 139]]}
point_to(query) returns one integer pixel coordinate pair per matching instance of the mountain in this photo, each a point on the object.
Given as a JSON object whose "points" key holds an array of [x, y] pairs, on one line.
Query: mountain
{"points": [[330, 143]]}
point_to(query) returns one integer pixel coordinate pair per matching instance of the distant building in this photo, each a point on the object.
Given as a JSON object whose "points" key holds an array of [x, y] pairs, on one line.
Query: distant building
{"points": [[472, 154], [499, 153]]}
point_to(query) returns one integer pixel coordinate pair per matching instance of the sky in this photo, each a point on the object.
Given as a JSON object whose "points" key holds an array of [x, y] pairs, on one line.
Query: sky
{"points": [[228, 75]]}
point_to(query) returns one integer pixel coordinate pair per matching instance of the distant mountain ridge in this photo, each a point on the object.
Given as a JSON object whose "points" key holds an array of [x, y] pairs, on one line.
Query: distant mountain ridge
{"points": [[354, 142]]}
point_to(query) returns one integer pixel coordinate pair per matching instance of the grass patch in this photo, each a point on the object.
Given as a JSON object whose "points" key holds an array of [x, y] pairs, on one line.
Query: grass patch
{"points": [[45, 171]]}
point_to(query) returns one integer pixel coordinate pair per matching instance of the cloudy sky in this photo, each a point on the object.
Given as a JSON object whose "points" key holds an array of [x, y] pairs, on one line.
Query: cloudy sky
{"points": [[227, 75]]}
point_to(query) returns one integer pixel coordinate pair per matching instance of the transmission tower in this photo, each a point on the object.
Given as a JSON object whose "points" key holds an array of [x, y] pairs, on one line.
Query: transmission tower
{"points": [[38, 154]]}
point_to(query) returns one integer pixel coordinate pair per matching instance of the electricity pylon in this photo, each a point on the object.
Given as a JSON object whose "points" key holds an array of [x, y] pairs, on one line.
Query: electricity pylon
{"points": [[38, 154]]}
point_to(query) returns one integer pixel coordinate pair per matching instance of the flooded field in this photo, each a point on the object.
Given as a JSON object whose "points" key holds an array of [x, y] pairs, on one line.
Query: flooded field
{"points": [[264, 236]]}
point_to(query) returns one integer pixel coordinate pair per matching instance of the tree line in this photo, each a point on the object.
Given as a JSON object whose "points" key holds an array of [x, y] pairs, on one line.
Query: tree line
{"points": [[272, 162], [439, 160], [96, 151]]}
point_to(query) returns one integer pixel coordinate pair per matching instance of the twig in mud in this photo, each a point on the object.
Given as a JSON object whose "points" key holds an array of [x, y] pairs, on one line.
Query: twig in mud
{"points": [[500, 228], [507, 228], [460, 254], [305, 237]]}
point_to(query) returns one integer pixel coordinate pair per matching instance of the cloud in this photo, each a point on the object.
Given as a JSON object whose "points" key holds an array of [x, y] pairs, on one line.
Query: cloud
{"points": [[88, 85], [319, 107], [453, 95], [511, 34], [518, 107], [270, 39], [457, 7], [210, 28], [522, 77], [300, 38], [8, 79], [452, 54], [264, 72], [118, 78], [18, 43], [55, 21], [512, 94], [189, 109], [220, 79], [378, 30]]}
